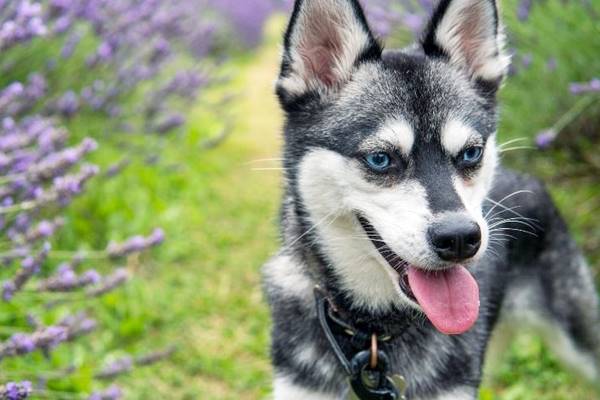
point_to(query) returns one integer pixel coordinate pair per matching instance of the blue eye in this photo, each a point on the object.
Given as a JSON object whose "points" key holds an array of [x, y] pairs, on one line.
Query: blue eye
{"points": [[472, 155], [378, 161]]}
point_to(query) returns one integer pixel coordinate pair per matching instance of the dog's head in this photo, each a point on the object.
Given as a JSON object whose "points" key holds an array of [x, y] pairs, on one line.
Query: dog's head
{"points": [[389, 155]]}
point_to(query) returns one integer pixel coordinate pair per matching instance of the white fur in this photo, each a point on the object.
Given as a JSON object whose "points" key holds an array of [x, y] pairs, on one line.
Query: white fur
{"points": [[467, 33], [285, 389], [333, 189], [398, 133], [287, 274], [309, 356], [473, 192], [315, 23], [456, 136]]}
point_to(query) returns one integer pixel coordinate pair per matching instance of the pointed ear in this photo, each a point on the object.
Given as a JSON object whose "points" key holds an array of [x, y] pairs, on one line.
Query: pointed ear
{"points": [[468, 33], [324, 43]]}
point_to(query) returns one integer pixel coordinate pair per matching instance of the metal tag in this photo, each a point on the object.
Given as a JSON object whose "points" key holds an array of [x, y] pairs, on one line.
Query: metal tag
{"points": [[373, 384]]}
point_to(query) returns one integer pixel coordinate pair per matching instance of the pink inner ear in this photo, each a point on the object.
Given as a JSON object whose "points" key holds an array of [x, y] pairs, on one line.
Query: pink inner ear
{"points": [[320, 64], [320, 48], [472, 36]]}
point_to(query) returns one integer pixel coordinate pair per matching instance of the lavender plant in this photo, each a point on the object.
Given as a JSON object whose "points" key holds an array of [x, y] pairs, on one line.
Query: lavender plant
{"points": [[124, 46], [41, 176], [137, 63]]}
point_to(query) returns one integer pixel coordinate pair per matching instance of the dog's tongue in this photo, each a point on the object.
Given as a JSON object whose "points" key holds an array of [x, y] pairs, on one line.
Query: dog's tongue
{"points": [[449, 298]]}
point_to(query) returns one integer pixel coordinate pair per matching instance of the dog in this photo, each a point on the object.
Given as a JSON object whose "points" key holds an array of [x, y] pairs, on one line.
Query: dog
{"points": [[405, 245]]}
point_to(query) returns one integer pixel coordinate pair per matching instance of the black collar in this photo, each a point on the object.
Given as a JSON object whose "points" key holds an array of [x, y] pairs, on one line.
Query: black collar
{"points": [[362, 352]]}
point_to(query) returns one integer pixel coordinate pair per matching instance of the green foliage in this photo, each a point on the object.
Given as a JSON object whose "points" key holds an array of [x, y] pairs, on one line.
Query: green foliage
{"points": [[537, 96]]}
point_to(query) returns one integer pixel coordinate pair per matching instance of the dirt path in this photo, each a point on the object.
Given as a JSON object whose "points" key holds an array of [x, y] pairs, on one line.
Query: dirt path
{"points": [[207, 299]]}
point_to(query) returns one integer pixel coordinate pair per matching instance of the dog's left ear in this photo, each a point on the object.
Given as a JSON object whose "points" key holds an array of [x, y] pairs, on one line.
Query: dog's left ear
{"points": [[468, 33], [325, 42]]}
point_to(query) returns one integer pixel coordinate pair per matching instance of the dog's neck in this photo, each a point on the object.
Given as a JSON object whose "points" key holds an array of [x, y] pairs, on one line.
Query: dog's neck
{"points": [[306, 247]]}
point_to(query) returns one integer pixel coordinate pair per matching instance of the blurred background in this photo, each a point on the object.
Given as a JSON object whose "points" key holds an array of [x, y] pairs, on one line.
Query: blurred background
{"points": [[139, 187]]}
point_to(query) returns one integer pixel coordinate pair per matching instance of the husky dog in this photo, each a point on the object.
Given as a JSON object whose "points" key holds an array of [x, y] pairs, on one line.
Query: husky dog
{"points": [[397, 210]]}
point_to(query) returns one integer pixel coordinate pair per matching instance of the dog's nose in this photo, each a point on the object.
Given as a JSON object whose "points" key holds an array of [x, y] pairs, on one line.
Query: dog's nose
{"points": [[455, 238]]}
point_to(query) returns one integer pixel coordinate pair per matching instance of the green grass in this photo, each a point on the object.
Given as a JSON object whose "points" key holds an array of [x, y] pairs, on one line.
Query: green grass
{"points": [[200, 291]]}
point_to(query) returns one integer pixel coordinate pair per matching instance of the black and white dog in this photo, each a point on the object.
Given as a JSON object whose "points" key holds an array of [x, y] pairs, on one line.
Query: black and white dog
{"points": [[396, 209]]}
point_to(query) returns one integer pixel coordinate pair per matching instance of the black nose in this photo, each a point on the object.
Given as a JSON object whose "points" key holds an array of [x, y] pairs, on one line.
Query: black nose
{"points": [[455, 238]]}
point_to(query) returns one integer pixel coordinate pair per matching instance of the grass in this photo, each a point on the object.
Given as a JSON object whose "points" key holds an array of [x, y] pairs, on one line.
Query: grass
{"points": [[201, 291]]}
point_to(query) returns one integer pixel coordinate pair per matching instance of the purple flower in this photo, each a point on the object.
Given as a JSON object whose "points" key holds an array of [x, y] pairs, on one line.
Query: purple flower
{"points": [[116, 168], [527, 59], [577, 88], [112, 393], [8, 290], [524, 9], [105, 51], [52, 337], [44, 230], [135, 244], [170, 123], [66, 280], [91, 277], [22, 343], [29, 267], [157, 237], [154, 357], [413, 22], [78, 325], [57, 163], [592, 86], [68, 104], [43, 339], [116, 368], [545, 139], [109, 283], [16, 390], [247, 18], [66, 187]]}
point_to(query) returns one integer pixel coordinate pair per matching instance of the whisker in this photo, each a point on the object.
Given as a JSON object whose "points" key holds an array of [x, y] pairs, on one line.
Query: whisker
{"points": [[264, 160], [513, 221], [499, 203], [516, 148], [269, 169], [495, 235], [312, 228], [521, 139], [496, 216], [516, 230]]}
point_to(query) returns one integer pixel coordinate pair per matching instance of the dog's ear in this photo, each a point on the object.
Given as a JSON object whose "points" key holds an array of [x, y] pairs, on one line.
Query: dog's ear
{"points": [[324, 43], [468, 33]]}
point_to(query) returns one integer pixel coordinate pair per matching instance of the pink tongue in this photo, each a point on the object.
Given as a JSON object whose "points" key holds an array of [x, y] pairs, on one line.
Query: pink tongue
{"points": [[450, 298]]}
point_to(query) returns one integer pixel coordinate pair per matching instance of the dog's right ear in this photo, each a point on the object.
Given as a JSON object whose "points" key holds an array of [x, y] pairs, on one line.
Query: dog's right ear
{"points": [[325, 41], [468, 34]]}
